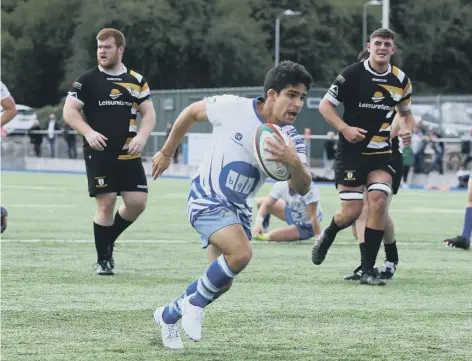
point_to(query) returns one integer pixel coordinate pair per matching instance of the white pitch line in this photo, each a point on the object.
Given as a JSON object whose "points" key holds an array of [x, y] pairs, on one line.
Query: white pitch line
{"points": [[427, 210], [41, 206], [180, 241], [36, 188], [91, 241]]}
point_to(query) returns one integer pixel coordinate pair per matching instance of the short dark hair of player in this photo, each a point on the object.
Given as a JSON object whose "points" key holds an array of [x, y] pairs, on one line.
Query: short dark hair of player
{"points": [[110, 32], [363, 55], [383, 33], [286, 74]]}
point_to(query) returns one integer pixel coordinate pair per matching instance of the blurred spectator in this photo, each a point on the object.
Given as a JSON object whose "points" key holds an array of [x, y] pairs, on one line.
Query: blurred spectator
{"points": [[70, 138], [329, 152], [36, 139], [462, 177], [53, 125], [408, 161], [466, 149], [438, 148], [418, 145], [176, 154]]}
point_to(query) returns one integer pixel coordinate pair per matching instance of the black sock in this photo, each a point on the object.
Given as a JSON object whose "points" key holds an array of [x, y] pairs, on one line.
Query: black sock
{"points": [[333, 229], [391, 252], [103, 239], [119, 225], [363, 250], [373, 239]]}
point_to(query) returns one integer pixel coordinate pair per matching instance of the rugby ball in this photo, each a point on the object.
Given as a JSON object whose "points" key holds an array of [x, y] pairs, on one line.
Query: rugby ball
{"points": [[275, 170]]}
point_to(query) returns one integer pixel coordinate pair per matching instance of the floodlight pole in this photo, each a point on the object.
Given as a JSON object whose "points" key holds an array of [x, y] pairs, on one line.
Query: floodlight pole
{"points": [[364, 19], [287, 12]]}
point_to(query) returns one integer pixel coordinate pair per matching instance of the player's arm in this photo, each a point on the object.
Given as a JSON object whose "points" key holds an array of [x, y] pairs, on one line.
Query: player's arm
{"points": [[330, 114], [194, 112], [312, 210], [407, 120], [300, 177], [9, 109], [72, 116], [148, 121], [337, 94], [294, 156], [261, 213]]}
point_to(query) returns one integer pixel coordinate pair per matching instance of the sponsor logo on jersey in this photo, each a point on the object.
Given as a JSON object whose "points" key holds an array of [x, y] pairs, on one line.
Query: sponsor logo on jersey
{"points": [[378, 97], [141, 186], [238, 136], [115, 79], [115, 93], [375, 106], [77, 85], [379, 80], [102, 103]]}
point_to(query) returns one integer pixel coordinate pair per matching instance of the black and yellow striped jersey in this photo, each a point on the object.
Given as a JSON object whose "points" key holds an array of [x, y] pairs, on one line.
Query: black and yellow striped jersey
{"points": [[110, 105], [369, 101]]}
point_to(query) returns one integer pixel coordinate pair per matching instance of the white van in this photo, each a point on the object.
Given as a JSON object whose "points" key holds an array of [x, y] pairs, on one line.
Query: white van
{"points": [[23, 121]]}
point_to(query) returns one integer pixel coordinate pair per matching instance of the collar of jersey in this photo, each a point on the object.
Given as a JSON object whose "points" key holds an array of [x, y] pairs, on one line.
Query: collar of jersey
{"points": [[369, 69], [254, 105], [103, 70]]}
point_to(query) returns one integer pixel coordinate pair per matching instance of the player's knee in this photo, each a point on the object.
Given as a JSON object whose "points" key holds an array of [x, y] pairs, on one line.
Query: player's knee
{"points": [[241, 258], [106, 205], [378, 196], [140, 206], [351, 211], [136, 206]]}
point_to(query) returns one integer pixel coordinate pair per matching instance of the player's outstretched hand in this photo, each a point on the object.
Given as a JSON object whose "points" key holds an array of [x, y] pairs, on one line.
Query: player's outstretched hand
{"points": [[96, 140], [257, 230], [405, 134], [136, 145], [354, 134], [160, 162], [281, 152]]}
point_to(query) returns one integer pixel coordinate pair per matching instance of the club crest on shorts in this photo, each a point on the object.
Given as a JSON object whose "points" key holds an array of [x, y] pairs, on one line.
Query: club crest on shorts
{"points": [[101, 182], [349, 175]]}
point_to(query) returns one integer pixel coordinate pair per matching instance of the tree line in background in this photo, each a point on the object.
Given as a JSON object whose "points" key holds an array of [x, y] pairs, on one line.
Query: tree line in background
{"points": [[46, 44]]}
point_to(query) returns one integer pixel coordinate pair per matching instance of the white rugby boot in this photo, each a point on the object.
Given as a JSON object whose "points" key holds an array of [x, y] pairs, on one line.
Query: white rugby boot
{"points": [[192, 319], [169, 331]]}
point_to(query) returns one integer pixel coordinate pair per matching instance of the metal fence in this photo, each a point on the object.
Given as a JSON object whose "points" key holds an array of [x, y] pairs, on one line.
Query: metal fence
{"points": [[19, 147]]}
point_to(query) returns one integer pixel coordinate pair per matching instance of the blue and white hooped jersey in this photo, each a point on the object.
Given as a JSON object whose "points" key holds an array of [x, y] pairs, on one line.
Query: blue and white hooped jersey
{"points": [[229, 174], [297, 203]]}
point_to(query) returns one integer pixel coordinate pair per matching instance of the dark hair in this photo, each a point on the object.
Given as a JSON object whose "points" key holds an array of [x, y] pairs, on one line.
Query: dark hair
{"points": [[383, 33], [363, 55], [286, 74]]}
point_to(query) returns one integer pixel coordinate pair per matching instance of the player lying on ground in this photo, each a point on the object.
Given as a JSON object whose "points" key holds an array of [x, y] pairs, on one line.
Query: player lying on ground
{"points": [[463, 241], [302, 213]]}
